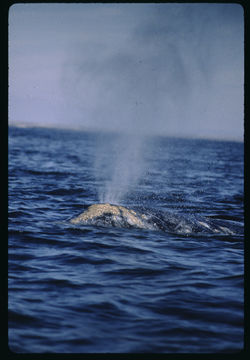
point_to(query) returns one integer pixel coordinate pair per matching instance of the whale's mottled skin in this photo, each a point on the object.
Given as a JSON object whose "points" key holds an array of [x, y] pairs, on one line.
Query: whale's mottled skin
{"points": [[114, 213], [120, 216]]}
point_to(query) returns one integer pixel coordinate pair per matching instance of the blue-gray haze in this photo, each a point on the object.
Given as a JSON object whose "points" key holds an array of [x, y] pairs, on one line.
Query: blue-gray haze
{"points": [[171, 69]]}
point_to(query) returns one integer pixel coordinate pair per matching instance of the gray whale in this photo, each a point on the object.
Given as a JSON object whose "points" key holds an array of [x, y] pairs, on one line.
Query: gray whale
{"points": [[119, 216], [115, 215]]}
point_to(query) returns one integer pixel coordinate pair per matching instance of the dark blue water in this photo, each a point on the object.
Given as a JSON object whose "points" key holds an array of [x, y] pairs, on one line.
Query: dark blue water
{"points": [[81, 289]]}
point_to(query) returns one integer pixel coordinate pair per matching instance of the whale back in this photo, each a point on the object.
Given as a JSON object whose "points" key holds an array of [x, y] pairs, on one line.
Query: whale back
{"points": [[114, 215], [110, 215]]}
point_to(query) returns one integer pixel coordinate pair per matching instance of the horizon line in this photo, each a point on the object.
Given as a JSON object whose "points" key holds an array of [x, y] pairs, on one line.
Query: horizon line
{"points": [[92, 129]]}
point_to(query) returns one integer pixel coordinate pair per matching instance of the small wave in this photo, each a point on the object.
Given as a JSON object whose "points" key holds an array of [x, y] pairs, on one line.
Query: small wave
{"points": [[77, 259], [27, 237], [105, 309], [16, 214], [63, 191], [45, 173], [48, 283], [20, 318], [20, 257], [79, 341], [136, 272], [16, 268]]}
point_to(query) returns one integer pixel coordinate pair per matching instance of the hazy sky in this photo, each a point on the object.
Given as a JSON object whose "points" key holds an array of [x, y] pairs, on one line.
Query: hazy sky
{"points": [[173, 69]]}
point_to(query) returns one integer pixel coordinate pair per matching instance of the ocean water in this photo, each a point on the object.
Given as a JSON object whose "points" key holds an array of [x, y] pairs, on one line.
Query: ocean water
{"points": [[109, 289]]}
